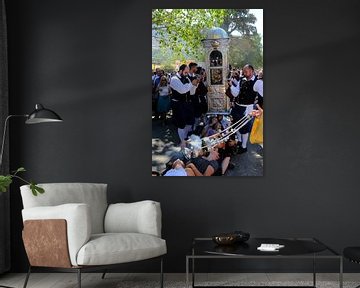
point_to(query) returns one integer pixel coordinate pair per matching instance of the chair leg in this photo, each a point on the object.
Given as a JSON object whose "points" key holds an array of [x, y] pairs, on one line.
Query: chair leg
{"points": [[103, 275], [79, 277], [161, 273], [27, 277]]}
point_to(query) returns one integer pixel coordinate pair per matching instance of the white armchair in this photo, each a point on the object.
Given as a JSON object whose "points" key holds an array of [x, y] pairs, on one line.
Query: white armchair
{"points": [[72, 228]]}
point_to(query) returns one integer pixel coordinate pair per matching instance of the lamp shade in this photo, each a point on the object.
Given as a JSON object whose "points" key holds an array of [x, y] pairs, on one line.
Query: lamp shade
{"points": [[42, 115]]}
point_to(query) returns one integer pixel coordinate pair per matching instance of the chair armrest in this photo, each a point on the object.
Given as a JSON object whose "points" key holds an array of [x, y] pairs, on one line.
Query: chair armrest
{"points": [[78, 223], [138, 217]]}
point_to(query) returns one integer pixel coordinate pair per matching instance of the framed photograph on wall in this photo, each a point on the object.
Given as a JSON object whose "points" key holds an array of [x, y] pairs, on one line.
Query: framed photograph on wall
{"points": [[207, 92]]}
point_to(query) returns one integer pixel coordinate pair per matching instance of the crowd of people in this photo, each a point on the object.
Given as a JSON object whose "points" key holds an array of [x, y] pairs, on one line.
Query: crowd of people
{"points": [[183, 96], [164, 98]]}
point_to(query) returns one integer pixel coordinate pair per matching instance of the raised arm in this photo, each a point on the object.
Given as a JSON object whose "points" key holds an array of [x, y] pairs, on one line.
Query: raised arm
{"points": [[235, 89], [178, 86]]}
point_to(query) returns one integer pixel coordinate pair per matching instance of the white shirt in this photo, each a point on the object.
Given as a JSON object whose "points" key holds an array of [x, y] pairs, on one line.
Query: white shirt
{"points": [[193, 87], [164, 90], [176, 172], [154, 78], [177, 85], [235, 81], [235, 90], [259, 86]]}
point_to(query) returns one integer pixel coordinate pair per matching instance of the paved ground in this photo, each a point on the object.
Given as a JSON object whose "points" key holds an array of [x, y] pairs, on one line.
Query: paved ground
{"points": [[165, 142]]}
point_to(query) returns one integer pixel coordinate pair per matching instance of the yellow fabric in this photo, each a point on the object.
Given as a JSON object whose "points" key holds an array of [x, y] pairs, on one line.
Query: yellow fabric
{"points": [[256, 135]]}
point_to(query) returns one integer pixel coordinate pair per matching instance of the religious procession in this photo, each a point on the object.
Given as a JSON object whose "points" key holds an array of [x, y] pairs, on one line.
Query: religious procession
{"points": [[207, 116]]}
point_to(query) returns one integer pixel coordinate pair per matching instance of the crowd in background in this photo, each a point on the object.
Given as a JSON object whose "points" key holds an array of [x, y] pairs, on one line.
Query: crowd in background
{"points": [[182, 97]]}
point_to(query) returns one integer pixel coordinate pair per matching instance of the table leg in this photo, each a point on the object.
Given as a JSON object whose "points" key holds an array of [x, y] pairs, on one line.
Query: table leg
{"points": [[193, 272], [187, 272], [341, 273], [314, 271]]}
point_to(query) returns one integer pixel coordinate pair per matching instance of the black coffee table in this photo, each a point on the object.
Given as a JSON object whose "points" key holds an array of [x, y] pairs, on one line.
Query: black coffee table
{"points": [[295, 248]]}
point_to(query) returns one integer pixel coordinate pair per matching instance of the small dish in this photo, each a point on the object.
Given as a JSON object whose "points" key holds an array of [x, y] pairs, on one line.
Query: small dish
{"points": [[225, 239]]}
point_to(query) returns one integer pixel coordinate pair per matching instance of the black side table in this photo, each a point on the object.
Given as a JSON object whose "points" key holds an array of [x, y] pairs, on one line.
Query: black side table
{"points": [[295, 248]]}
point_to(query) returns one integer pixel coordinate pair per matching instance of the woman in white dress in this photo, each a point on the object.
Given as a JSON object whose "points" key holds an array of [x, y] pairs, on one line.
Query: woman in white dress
{"points": [[163, 105]]}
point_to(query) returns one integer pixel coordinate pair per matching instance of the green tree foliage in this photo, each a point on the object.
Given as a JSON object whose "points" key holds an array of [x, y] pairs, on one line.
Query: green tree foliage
{"points": [[180, 30], [177, 34], [240, 20], [246, 49], [165, 58], [162, 56]]}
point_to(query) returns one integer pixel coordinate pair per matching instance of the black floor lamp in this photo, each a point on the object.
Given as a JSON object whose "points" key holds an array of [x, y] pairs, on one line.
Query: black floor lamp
{"points": [[39, 115]]}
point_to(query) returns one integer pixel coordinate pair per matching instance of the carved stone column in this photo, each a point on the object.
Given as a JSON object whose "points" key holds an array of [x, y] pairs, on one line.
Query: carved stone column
{"points": [[216, 47]]}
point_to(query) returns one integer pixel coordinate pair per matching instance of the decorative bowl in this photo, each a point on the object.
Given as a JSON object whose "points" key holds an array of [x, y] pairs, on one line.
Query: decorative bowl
{"points": [[231, 238], [225, 239]]}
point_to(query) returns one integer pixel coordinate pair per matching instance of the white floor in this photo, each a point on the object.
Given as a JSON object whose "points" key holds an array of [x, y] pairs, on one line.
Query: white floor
{"points": [[119, 280]]}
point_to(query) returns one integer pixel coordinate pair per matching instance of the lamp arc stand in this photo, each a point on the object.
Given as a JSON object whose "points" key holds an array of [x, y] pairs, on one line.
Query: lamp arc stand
{"points": [[4, 134], [39, 115], [2, 152]]}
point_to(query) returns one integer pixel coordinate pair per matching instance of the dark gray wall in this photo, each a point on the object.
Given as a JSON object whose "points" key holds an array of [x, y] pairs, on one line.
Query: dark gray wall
{"points": [[90, 61], [4, 166]]}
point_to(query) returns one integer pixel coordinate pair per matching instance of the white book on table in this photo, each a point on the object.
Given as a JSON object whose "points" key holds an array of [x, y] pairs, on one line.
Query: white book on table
{"points": [[270, 247]]}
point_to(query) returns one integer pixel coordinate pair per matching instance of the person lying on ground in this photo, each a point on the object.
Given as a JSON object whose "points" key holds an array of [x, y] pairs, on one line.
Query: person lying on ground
{"points": [[205, 165], [179, 169]]}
